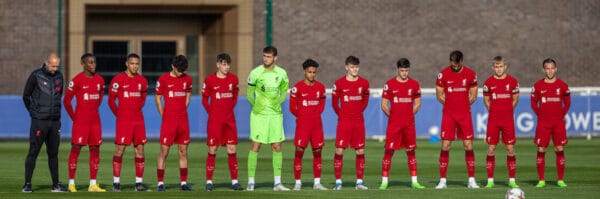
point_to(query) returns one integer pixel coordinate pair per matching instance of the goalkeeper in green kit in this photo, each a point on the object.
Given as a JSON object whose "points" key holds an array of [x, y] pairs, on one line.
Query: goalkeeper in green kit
{"points": [[267, 89]]}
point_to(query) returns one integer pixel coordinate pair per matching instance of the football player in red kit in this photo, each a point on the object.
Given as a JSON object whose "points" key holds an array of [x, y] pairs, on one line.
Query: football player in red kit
{"points": [[175, 87], [500, 97], [129, 88], [400, 101], [350, 98], [219, 97], [88, 89], [456, 90], [550, 100], [307, 102]]}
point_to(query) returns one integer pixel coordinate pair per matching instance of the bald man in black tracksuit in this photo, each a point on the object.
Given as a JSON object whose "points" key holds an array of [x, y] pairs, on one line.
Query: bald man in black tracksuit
{"points": [[42, 98]]}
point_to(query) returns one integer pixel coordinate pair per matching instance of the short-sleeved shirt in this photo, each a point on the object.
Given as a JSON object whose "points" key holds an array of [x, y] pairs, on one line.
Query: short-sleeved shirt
{"points": [[550, 99], [456, 88], [309, 99], [353, 97], [88, 92], [174, 90], [401, 96], [222, 93], [130, 92], [270, 89], [501, 92]]}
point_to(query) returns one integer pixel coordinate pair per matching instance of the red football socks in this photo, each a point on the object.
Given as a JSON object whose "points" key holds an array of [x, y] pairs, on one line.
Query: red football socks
{"points": [[412, 162], [444, 163], [338, 163], [298, 164], [94, 162], [540, 162], [233, 165], [139, 167], [117, 162], [160, 175], [386, 164], [317, 163], [73, 161], [470, 160], [560, 164], [490, 164], [210, 166], [183, 172], [360, 166]]}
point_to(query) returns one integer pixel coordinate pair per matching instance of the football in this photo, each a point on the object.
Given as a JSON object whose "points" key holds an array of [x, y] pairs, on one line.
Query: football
{"points": [[515, 193]]}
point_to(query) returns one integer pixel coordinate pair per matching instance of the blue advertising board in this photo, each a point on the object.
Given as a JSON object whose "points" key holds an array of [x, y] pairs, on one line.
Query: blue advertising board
{"points": [[583, 118]]}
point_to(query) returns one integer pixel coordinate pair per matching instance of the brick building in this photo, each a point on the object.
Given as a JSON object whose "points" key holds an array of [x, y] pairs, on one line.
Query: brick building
{"points": [[377, 31]]}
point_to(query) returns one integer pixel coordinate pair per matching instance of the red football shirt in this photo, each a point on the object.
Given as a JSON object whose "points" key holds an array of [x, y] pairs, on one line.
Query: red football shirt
{"points": [[456, 88], [350, 98], [88, 92], [550, 101], [401, 96], [222, 93], [307, 101], [500, 92], [130, 92], [174, 90]]}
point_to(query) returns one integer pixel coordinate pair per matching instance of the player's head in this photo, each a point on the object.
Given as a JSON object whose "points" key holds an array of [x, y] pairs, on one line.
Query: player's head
{"points": [[88, 61], [223, 63], [269, 56], [403, 66], [179, 65], [550, 68], [499, 66], [456, 59], [52, 63], [132, 63], [310, 69], [352, 66]]}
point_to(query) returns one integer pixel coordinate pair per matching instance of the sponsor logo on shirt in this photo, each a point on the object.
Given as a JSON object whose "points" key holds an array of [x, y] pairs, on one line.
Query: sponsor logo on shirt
{"points": [[87, 96], [310, 102]]}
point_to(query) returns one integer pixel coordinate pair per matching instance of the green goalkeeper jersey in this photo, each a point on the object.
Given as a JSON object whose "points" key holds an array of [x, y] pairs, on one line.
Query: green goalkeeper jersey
{"points": [[267, 89]]}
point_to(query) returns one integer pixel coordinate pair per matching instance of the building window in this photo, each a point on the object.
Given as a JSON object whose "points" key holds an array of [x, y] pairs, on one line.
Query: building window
{"points": [[156, 53]]}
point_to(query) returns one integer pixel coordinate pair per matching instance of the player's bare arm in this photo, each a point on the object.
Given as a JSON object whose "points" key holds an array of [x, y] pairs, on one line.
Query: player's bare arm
{"points": [[487, 101], [385, 106], [187, 99], [515, 100], [416, 105], [159, 105], [439, 93], [472, 94]]}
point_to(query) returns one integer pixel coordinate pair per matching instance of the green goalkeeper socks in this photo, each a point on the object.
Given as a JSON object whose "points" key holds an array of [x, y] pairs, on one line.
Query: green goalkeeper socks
{"points": [[252, 159], [277, 163]]}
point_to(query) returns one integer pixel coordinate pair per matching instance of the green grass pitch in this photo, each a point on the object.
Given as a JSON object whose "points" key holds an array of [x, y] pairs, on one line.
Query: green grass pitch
{"points": [[582, 172]]}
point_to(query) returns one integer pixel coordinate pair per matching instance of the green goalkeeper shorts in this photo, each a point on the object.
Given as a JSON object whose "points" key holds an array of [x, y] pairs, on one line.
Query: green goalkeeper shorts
{"points": [[266, 129]]}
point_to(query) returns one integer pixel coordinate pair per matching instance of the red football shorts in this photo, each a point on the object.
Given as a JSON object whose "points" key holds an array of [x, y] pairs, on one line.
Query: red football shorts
{"points": [[350, 133], [496, 127], [87, 131], [221, 132], [130, 130], [554, 129], [174, 130], [400, 134], [309, 129], [457, 125]]}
